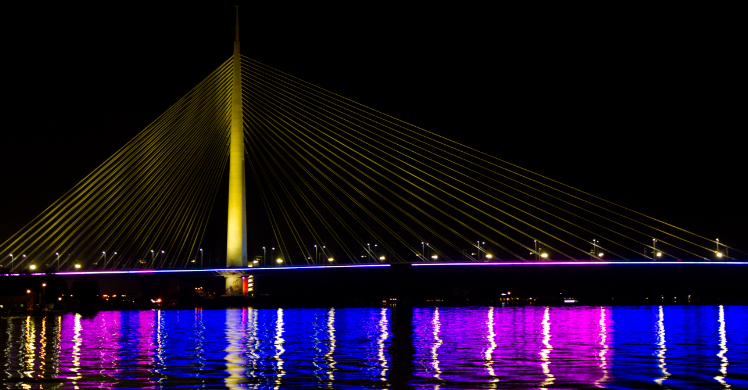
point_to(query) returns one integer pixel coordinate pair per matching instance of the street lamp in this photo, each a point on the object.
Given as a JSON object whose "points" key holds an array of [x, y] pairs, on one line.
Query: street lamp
{"points": [[201, 257], [654, 247], [594, 248], [58, 260], [368, 251], [316, 257], [263, 256]]}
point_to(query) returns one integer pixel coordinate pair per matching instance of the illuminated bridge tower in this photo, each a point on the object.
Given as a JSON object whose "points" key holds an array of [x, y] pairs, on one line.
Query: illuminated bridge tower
{"points": [[236, 240]]}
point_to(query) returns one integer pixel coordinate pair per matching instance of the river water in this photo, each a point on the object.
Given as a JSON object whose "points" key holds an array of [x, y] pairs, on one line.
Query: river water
{"points": [[635, 347]]}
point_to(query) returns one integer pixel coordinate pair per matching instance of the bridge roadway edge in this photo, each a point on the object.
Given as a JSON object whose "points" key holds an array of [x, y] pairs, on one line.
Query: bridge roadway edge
{"points": [[548, 283]]}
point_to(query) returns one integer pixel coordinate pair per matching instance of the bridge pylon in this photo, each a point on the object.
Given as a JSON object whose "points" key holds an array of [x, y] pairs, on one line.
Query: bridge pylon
{"points": [[236, 240]]}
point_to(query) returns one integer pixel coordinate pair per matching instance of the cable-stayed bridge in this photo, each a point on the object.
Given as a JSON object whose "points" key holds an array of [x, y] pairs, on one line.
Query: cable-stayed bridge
{"points": [[336, 182]]}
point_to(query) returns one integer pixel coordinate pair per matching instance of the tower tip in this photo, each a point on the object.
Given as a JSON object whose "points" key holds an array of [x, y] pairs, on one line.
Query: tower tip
{"points": [[237, 23]]}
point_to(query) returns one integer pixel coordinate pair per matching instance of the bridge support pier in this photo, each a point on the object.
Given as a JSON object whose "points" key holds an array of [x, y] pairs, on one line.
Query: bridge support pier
{"points": [[238, 283]]}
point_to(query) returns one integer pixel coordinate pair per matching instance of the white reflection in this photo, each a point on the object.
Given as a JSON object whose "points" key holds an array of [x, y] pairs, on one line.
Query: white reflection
{"points": [[253, 343], [159, 341], [279, 350], [199, 338], [662, 349], [234, 358], [603, 350], [331, 348], [491, 347], [545, 352], [380, 343], [435, 347], [722, 349], [77, 341]]}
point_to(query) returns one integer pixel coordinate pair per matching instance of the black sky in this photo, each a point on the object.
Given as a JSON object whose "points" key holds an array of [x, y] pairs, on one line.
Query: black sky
{"points": [[641, 106]]}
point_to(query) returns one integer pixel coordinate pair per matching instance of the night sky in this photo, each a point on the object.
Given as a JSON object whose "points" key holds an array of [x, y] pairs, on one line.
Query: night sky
{"points": [[644, 107]]}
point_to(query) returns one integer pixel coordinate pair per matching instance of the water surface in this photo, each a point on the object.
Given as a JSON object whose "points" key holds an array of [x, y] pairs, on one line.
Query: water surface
{"points": [[391, 347]]}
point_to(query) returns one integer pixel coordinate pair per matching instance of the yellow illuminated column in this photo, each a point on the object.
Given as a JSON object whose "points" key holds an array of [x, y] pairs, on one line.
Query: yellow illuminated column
{"points": [[236, 242]]}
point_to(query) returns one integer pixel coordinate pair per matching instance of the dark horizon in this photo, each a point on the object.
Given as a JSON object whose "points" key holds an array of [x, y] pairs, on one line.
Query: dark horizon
{"points": [[643, 114]]}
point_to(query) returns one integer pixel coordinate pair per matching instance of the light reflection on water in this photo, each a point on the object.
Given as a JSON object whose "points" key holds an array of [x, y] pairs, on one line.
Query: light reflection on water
{"points": [[452, 347]]}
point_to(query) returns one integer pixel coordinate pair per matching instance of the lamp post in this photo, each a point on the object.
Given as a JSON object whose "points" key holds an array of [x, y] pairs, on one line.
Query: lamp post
{"points": [[104, 253], [201, 257], [536, 250], [654, 249], [58, 260], [594, 248], [423, 251], [263, 256], [315, 255]]}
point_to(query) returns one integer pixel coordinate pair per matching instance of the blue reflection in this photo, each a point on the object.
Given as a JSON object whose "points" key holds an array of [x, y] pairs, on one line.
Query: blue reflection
{"points": [[350, 348]]}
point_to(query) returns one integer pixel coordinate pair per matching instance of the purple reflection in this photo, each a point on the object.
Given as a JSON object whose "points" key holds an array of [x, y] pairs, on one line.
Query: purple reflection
{"points": [[513, 346]]}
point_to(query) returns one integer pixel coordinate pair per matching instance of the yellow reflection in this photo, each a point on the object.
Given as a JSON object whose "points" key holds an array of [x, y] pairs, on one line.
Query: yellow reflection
{"points": [[331, 348], [380, 343], [661, 346], [43, 347], [9, 343], [491, 347], [234, 358], [28, 346], [545, 352], [279, 350], [603, 350], [56, 345], [722, 349], [437, 343]]}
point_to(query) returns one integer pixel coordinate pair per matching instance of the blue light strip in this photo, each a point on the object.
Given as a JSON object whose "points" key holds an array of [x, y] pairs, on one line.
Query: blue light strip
{"points": [[586, 263]]}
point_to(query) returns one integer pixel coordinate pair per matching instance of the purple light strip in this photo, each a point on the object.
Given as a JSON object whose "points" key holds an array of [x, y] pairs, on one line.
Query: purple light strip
{"points": [[584, 263], [159, 271]]}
